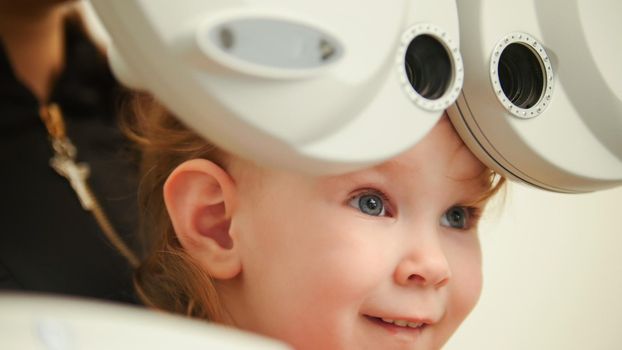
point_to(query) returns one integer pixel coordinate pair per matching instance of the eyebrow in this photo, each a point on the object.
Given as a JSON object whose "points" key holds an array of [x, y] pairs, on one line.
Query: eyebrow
{"points": [[476, 184], [366, 175], [477, 175]]}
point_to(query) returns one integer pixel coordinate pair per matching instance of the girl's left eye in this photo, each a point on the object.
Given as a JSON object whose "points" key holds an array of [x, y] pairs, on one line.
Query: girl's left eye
{"points": [[369, 203], [457, 217]]}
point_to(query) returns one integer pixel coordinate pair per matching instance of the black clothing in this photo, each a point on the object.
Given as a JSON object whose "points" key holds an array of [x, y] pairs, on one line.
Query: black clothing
{"points": [[48, 243]]}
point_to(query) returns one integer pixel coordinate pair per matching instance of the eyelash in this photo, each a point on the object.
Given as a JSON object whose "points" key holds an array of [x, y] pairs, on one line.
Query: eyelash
{"points": [[473, 213], [473, 216], [386, 202]]}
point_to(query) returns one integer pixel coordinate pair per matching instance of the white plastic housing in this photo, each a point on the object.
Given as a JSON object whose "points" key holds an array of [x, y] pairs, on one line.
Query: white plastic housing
{"points": [[244, 74], [29, 322], [571, 140]]}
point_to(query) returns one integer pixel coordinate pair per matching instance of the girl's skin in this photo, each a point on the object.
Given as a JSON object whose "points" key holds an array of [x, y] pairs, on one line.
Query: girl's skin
{"points": [[319, 262]]}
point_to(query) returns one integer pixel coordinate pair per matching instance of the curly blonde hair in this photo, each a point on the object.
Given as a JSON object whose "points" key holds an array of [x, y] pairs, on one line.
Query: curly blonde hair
{"points": [[168, 278]]}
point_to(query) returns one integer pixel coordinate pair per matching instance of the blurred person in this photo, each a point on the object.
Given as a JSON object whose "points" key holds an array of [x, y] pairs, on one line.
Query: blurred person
{"points": [[68, 202]]}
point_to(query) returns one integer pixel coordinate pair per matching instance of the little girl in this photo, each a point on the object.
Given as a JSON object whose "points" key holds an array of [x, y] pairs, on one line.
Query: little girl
{"points": [[383, 258]]}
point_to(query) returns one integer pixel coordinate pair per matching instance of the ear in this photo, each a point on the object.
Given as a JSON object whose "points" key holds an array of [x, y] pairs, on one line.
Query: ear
{"points": [[200, 197]]}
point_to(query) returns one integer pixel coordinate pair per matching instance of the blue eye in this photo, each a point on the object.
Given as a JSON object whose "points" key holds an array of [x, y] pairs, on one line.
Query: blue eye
{"points": [[457, 217], [369, 203]]}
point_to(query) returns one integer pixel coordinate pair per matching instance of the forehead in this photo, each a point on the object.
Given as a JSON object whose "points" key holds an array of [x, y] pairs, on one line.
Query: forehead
{"points": [[440, 148], [440, 155]]}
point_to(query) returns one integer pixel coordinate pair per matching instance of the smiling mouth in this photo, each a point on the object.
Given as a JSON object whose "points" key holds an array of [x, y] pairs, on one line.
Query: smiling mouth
{"points": [[398, 324]]}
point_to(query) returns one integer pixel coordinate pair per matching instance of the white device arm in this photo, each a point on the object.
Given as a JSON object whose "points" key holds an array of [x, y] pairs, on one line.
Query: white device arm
{"points": [[327, 87], [317, 86], [542, 98], [29, 322]]}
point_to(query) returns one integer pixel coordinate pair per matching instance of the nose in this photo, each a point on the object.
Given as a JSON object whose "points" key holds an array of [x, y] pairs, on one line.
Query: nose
{"points": [[424, 264]]}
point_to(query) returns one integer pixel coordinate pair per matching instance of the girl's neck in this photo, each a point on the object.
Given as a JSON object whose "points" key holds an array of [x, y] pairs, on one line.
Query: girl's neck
{"points": [[33, 37]]}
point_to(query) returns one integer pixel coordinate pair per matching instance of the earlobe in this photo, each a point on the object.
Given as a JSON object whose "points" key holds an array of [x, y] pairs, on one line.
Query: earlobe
{"points": [[200, 197]]}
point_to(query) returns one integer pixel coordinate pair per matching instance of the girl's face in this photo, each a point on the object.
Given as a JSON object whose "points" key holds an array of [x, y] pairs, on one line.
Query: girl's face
{"points": [[384, 258]]}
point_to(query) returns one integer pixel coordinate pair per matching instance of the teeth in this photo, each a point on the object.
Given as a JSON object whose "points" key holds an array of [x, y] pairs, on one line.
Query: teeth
{"points": [[402, 323]]}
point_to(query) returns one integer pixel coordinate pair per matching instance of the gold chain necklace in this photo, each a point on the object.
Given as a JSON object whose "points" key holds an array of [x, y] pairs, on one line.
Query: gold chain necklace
{"points": [[64, 162]]}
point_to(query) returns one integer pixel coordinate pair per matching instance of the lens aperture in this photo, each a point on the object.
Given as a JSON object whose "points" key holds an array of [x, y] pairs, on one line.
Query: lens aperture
{"points": [[428, 67], [521, 75]]}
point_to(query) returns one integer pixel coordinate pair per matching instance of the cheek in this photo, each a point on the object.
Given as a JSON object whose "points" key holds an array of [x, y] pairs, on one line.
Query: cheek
{"points": [[466, 286], [348, 266], [307, 272], [321, 249], [328, 258]]}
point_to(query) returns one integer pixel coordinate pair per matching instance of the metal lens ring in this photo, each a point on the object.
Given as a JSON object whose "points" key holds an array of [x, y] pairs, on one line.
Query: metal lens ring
{"points": [[429, 67], [521, 75]]}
